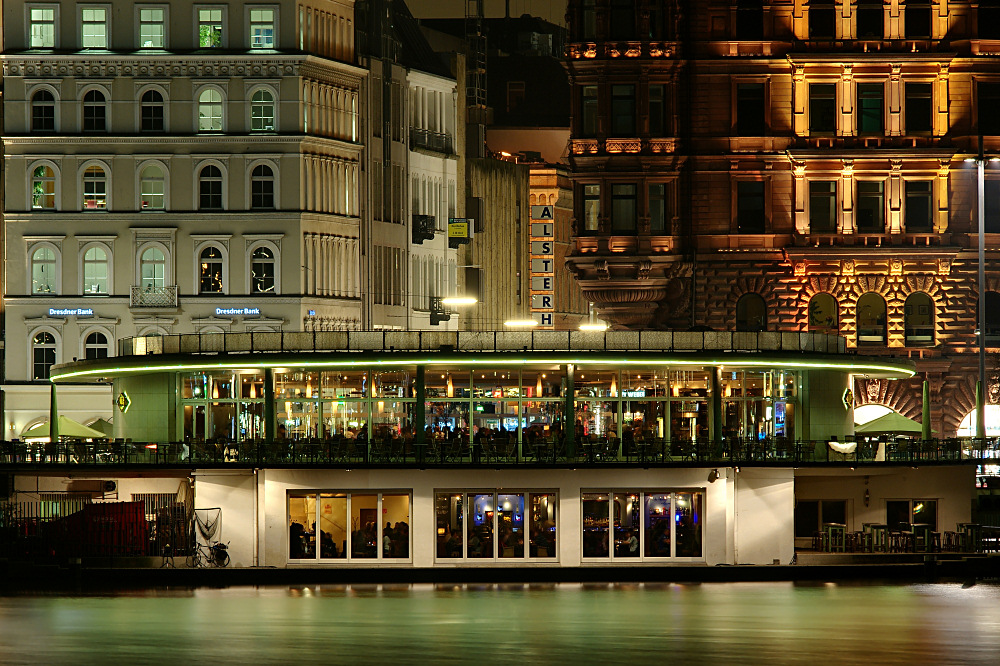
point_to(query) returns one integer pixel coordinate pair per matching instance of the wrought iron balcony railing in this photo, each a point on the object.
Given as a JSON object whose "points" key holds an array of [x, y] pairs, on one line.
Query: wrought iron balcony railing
{"points": [[153, 297]]}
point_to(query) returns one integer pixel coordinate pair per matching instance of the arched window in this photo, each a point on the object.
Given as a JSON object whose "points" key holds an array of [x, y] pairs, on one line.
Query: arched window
{"points": [[151, 188], [152, 270], [262, 112], [823, 313], [95, 346], [43, 188], [43, 354], [210, 188], [43, 271], [210, 271], [262, 271], [151, 111], [262, 188], [751, 313], [210, 111], [95, 188], [918, 319], [95, 271], [43, 112], [94, 112], [871, 319]]}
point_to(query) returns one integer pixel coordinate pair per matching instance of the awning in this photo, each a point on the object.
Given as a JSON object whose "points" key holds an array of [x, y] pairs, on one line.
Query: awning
{"points": [[891, 423], [67, 428]]}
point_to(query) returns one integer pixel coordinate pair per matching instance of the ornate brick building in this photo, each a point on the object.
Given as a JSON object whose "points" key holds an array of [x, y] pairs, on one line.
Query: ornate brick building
{"points": [[762, 165]]}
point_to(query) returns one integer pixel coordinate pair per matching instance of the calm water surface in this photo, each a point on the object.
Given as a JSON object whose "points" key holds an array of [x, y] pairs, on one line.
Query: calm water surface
{"points": [[584, 624]]}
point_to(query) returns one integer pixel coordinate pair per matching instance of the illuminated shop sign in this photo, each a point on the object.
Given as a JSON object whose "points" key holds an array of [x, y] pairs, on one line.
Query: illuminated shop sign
{"points": [[69, 312], [237, 312]]}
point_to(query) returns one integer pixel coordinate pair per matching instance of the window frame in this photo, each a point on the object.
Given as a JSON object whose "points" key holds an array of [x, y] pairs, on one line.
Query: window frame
{"points": [[615, 114], [167, 277], [222, 260], [32, 94], [916, 335], [589, 110], [586, 197], [56, 266], [858, 208], [835, 208], [907, 99], [253, 92], [870, 10], [84, 168], [275, 29], [251, 180], [86, 345], [739, 116], [496, 556], [748, 325], [223, 23], [103, 106], [165, 24], [201, 180], [737, 226], [991, 126], [55, 180], [204, 90], [624, 197], [813, 9], [164, 180], [872, 340], [81, 10], [34, 345], [928, 227], [163, 106], [272, 247], [642, 494], [350, 559], [863, 91], [819, 327], [813, 100], [108, 268], [30, 23]]}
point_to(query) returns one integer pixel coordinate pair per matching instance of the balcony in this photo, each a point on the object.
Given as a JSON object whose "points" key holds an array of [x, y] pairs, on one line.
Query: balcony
{"points": [[422, 229], [153, 297], [428, 140]]}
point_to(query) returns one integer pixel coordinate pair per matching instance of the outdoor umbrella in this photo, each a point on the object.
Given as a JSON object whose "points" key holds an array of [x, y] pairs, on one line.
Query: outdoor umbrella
{"points": [[105, 426], [891, 423], [67, 427]]}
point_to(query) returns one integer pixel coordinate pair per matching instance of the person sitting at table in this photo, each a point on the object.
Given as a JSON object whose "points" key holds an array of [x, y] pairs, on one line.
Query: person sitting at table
{"points": [[633, 544]]}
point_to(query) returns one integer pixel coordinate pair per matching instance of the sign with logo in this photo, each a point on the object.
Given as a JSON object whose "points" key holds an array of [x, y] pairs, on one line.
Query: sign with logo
{"points": [[542, 229], [71, 312], [543, 318], [543, 212], [123, 402], [237, 312], [541, 247], [458, 227], [542, 301], [544, 265], [848, 398], [542, 283]]}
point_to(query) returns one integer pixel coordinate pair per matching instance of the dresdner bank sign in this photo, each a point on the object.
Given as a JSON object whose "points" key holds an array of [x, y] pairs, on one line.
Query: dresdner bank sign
{"points": [[237, 312]]}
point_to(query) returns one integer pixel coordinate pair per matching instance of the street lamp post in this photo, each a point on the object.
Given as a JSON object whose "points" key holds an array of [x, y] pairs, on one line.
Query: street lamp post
{"points": [[981, 384]]}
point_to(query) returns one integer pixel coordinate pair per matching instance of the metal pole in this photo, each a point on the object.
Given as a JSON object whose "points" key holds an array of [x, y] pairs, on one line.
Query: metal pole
{"points": [[981, 388]]}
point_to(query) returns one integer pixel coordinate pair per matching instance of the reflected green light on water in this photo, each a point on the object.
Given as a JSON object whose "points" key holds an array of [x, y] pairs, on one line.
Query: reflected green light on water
{"points": [[731, 622]]}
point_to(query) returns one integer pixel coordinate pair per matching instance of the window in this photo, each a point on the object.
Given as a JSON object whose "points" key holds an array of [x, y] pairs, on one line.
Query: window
{"points": [[262, 28], [210, 271], [658, 208], [623, 19], [43, 188], [589, 22], [95, 28], [515, 96], [658, 122], [43, 271], [989, 19], [210, 188], [210, 111], [95, 271], [95, 346], [43, 28], [919, 210], [262, 112], [43, 354], [151, 112], [822, 206], [900, 514], [822, 19], [488, 525], [152, 270], [592, 207], [634, 526], [262, 271], [918, 107], [749, 20], [94, 112], [918, 319], [262, 188], [917, 19], [43, 112], [152, 28], [822, 108], [751, 313], [823, 313], [349, 526], [623, 208], [992, 318], [750, 109], [622, 110], [871, 207], [210, 28], [871, 319], [992, 192], [151, 188], [870, 20], [95, 188], [870, 108], [750, 207], [589, 110], [811, 514], [986, 108]]}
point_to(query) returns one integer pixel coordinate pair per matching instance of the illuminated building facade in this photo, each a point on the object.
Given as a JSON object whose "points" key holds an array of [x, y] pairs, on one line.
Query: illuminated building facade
{"points": [[796, 166]]}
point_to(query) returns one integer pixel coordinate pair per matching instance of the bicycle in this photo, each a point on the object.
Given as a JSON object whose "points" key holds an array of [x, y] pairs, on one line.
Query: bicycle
{"points": [[209, 555]]}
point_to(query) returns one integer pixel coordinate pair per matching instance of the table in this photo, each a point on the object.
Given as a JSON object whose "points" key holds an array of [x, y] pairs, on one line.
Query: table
{"points": [[970, 537], [880, 536], [920, 533], [833, 537]]}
